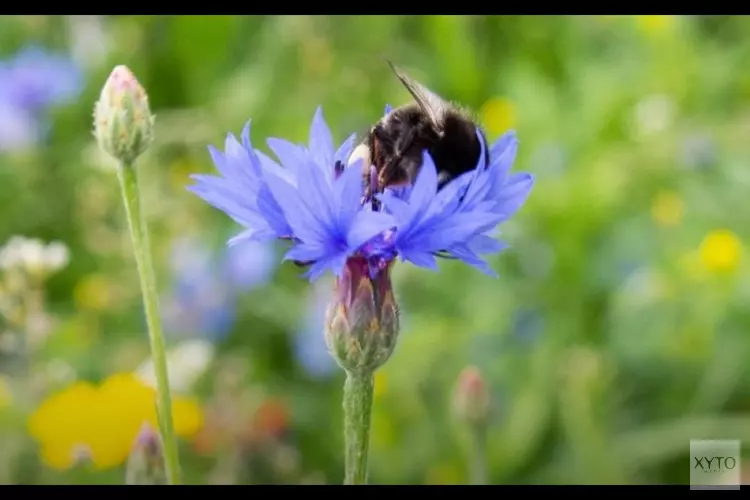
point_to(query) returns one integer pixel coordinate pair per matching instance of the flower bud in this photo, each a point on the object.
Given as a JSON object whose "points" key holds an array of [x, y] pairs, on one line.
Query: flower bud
{"points": [[146, 461], [471, 399], [362, 320], [123, 124]]}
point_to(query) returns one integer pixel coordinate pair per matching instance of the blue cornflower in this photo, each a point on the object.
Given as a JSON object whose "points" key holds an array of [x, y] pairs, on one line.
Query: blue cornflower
{"points": [[312, 201], [30, 82], [315, 202]]}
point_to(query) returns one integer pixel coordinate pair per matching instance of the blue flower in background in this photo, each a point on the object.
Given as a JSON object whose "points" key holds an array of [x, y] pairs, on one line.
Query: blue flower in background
{"points": [[528, 324], [249, 264], [203, 298], [317, 204], [309, 344], [31, 82]]}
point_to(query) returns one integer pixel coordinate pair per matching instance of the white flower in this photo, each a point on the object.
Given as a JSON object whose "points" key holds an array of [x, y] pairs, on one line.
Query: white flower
{"points": [[33, 256], [187, 362]]}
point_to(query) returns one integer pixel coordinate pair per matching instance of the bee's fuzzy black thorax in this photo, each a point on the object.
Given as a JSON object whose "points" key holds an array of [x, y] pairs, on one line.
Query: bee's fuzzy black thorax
{"points": [[398, 140], [396, 143]]}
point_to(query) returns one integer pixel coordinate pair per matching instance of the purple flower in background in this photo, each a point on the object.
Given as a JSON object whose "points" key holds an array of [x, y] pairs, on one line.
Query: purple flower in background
{"points": [[203, 298], [309, 344], [30, 83]]}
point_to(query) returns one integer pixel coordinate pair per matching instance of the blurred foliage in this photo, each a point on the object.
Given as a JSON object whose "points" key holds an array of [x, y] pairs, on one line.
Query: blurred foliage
{"points": [[616, 333]]}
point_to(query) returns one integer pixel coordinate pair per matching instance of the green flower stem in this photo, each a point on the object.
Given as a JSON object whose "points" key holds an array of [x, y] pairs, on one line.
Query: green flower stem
{"points": [[478, 457], [358, 392], [139, 235]]}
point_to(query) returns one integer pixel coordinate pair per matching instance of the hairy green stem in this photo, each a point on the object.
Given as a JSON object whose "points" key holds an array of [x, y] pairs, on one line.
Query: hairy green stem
{"points": [[358, 392], [139, 235], [478, 457]]}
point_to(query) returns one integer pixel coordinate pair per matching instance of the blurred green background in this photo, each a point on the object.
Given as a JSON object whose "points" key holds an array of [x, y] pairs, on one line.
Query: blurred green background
{"points": [[616, 333]]}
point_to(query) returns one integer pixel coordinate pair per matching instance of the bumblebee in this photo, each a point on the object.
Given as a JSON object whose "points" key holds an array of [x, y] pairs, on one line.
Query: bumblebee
{"points": [[394, 145]]}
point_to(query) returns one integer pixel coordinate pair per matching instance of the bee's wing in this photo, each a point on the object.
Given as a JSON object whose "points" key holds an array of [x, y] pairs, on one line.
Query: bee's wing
{"points": [[432, 104]]}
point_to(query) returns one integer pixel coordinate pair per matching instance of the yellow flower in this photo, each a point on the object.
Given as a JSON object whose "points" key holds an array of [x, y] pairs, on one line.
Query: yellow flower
{"points": [[667, 209], [653, 25], [104, 421], [721, 251], [498, 116], [92, 292]]}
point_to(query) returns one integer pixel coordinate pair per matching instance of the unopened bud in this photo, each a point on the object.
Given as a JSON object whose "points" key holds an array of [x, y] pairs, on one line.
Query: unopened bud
{"points": [[471, 399], [123, 124], [362, 322], [146, 461]]}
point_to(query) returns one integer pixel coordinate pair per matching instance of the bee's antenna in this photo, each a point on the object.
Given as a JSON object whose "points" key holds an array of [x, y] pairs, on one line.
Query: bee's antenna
{"points": [[430, 103], [390, 63]]}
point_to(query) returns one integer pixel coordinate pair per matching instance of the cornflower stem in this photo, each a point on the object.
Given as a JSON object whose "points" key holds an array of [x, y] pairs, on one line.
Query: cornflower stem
{"points": [[128, 178], [478, 454], [358, 394]]}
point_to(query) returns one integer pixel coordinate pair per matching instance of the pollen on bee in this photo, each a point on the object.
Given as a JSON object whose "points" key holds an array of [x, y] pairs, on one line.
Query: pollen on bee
{"points": [[361, 152]]}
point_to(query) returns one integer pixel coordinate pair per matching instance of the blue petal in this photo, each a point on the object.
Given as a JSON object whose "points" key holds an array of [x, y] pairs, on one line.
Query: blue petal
{"points": [[448, 199], [307, 252], [260, 235], [318, 197], [444, 233], [421, 259], [345, 150], [321, 141], [424, 188], [335, 264], [503, 154], [268, 165], [501, 145], [290, 155], [366, 226], [348, 192], [484, 244], [302, 223], [514, 193], [271, 210], [396, 206], [465, 254], [215, 195]]}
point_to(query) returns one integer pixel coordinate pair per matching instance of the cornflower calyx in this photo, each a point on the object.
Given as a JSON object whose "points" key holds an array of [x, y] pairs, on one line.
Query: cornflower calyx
{"points": [[123, 124], [362, 322]]}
